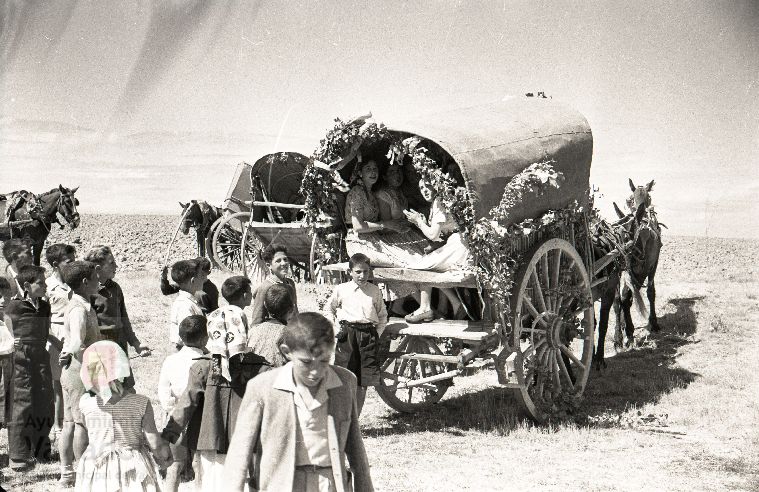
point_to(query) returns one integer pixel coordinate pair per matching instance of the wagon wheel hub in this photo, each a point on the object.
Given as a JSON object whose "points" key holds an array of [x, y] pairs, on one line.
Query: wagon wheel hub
{"points": [[559, 332]]}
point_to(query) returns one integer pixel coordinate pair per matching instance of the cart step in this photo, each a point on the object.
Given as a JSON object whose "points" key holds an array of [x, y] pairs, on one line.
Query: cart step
{"points": [[447, 359], [471, 331]]}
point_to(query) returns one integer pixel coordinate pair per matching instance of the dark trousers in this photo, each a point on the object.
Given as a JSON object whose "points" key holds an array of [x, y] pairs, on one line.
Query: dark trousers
{"points": [[33, 408], [6, 382]]}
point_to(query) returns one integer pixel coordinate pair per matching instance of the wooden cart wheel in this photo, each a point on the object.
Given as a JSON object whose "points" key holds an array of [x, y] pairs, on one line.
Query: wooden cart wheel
{"points": [[315, 263], [396, 371], [227, 239], [253, 266], [553, 329], [209, 242]]}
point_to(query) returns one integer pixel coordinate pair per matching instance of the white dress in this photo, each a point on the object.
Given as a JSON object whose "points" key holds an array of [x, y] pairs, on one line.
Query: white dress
{"points": [[450, 256], [117, 457]]}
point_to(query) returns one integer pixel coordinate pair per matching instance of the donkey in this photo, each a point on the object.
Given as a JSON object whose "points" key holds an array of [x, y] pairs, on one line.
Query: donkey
{"points": [[200, 216], [37, 214]]}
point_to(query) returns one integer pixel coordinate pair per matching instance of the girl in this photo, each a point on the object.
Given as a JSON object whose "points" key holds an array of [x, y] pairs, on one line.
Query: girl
{"points": [[208, 297], [118, 424]]}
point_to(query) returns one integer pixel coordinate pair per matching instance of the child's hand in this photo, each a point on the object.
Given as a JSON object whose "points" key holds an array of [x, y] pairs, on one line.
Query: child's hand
{"points": [[64, 360], [143, 350], [341, 336], [163, 457]]}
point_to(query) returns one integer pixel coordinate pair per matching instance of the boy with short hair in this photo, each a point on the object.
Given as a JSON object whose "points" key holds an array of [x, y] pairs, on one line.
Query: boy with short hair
{"points": [[109, 304], [359, 309], [264, 339], [17, 252], [58, 295], [27, 315], [310, 400], [6, 357], [80, 330], [275, 257], [190, 278], [172, 383]]}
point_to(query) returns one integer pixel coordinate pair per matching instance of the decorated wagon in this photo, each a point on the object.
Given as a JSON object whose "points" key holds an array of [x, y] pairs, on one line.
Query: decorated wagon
{"points": [[515, 177], [262, 206]]}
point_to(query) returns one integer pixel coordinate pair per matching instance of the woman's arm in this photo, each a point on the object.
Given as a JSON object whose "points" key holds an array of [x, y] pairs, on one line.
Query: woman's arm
{"points": [[431, 231], [356, 204]]}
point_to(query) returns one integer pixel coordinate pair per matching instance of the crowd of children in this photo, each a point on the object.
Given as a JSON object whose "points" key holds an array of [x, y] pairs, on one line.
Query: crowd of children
{"points": [[250, 397]]}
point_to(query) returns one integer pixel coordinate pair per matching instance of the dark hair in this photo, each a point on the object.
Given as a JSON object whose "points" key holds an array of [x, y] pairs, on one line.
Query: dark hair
{"points": [[193, 329], [4, 284], [234, 288], [307, 331], [98, 254], [76, 272], [357, 259], [183, 270], [278, 301], [57, 252], [14, 247], [29, 273], [204, 264], [358, 168], [268, 253]]}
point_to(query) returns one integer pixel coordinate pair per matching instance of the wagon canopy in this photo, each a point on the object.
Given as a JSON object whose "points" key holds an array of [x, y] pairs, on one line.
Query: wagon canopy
{"points": [[279, 174], [494, 142]]}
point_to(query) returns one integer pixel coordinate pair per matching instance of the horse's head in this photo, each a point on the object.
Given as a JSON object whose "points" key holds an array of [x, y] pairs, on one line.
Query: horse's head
{"points": [[641, 195], [65, 207], [193, 216]]}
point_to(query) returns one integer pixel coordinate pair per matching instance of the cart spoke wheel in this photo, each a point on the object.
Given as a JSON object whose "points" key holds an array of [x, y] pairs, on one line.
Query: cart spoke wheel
{"points": [[226, 243], [553, 329], [396, 373]]}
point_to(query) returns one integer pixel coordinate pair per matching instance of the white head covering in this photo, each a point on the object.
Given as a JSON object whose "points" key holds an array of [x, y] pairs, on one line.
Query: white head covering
{"points": [[227, 335], [102, 363]]}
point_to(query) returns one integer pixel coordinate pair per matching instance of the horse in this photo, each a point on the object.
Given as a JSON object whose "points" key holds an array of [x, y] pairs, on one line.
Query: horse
{"points": [[637, 235], [37, 213], [199, 215]]}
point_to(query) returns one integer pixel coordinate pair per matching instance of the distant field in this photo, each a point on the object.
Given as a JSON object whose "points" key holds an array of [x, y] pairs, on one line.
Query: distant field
{"points": [[679, 412]]}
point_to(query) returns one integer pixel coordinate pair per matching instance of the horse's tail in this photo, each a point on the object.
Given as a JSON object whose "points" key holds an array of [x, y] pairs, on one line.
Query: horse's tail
{"points": [[637, 298]]}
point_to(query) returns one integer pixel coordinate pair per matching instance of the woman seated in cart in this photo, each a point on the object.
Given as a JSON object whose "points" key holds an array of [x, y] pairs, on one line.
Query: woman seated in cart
{"points": [[379, 232]]}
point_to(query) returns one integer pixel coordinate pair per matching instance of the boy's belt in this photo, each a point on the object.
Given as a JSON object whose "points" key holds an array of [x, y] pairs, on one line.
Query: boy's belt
{"points": [[312, 468], [358, 326]]}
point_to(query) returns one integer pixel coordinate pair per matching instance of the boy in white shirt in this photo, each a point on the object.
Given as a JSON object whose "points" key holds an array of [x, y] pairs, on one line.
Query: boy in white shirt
{"points": [[172, 382], [189, 277]]}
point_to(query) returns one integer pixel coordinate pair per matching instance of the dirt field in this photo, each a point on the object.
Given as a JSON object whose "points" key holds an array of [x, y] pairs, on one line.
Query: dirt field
{"points": [[679, 412]]}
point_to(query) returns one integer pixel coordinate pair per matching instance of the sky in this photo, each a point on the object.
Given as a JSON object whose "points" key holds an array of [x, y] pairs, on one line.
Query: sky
{"points": [[145, 103]]}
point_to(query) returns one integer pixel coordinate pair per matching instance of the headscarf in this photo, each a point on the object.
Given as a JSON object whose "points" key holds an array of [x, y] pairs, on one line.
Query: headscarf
{"points": [[102, 363], [227, 335]]}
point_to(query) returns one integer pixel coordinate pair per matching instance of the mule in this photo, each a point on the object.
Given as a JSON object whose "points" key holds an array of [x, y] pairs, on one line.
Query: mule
{"points": [[199, 215], [641, 233], [40, 212]]}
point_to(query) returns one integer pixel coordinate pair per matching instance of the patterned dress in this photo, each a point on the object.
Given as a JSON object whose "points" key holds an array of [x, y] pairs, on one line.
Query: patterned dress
{"points": [[117, 457]]}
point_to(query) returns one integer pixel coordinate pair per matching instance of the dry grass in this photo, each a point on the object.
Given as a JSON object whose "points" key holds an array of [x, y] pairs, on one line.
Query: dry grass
{"points": [[679, 412]]}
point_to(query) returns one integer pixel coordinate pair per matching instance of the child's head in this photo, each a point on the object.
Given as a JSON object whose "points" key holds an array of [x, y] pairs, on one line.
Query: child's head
{"points": [[105, 263], [59, 254], [193, 330], [82, 277], [275, 256], [360, 268], [204, 264], [308, 343], [105, 366], [186, 275], [17, 252], [236, 290], [279, 302], [31, 278]]}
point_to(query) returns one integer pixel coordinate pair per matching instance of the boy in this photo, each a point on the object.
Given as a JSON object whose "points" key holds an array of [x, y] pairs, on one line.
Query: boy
{"points": [[216, 383], [172, 382], [311, 401], [207, 297], [275, 257], [358, 307], [17, 253], [264, 339], [27, 316], [6, 357], [190, 278], [237, 292], [109, 304], [80, 330], [58, 295]]}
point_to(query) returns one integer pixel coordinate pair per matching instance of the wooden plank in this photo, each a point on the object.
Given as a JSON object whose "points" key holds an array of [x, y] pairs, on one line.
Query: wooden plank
{"points": [[257, 203], [444, 359], [430, 379], [474, 331], [457, 278], [603, 262]]}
